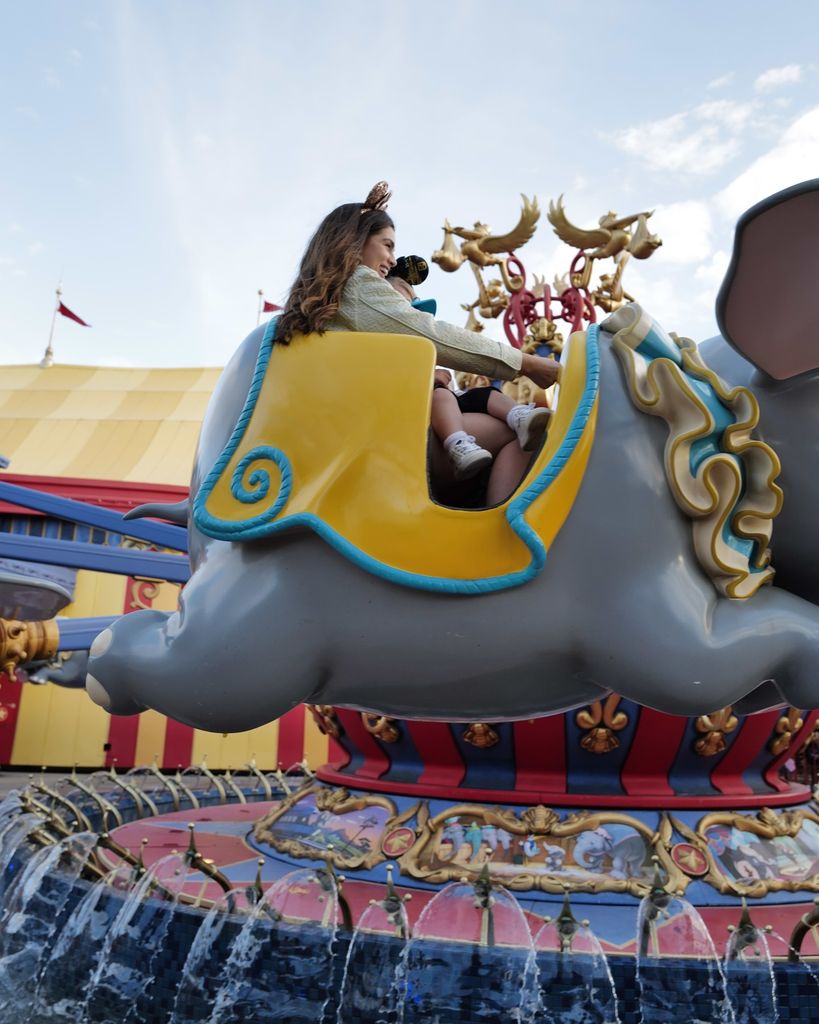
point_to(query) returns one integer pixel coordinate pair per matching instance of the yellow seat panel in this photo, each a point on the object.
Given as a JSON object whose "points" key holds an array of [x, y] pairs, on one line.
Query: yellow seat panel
{"points": [[320, 443]]}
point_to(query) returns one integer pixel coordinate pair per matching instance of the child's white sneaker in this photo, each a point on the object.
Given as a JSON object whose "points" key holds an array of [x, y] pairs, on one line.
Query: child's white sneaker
{"points": [[530, 425], [467, 457]]}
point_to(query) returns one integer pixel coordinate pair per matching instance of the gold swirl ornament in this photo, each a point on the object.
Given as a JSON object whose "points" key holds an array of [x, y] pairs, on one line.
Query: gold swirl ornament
{"points": [[714, 496]]}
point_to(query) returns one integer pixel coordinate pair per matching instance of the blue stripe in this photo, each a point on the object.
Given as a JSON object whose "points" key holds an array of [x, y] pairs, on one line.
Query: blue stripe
{"points": [[691, 772], [487, 767], [263, 526], [405, 761], [587, 772]]}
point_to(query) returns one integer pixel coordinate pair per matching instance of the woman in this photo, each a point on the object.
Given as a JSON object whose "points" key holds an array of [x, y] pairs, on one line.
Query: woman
{"points": [[341, 286]]}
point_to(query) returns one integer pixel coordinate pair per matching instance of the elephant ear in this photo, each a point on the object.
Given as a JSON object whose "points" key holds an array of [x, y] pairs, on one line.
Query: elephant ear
{"points": [[768, 306]]}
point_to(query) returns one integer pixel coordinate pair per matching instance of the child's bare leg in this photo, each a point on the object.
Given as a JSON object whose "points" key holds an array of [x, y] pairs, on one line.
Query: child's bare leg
{"points": [[448, 425], [511, 463], [490, 433], [499, 405], [446, 417], [529, 422]]}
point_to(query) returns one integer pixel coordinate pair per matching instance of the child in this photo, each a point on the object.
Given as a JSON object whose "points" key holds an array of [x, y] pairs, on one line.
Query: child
{"points": [[529, 422]]}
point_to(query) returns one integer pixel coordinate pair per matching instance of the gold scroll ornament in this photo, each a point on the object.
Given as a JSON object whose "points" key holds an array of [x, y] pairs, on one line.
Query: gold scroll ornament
{"points": [[732, 487]]}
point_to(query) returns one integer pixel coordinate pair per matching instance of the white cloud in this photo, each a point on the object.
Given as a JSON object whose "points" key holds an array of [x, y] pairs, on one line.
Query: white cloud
{"points": [[685, 229], [777, 77], [794, 158], [710, 273], [74, 57], [697, 141], [203, 140], [52, 79], [721, 82], [15, 228], [35, 248]]}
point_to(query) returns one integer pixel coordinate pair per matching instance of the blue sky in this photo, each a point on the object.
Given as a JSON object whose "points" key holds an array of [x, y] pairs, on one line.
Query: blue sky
{"points": [[170, 158]]}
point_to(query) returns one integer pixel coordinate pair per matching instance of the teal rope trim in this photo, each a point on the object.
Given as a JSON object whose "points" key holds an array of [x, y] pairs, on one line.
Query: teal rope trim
{"points": [[211, 525], [261, 526]]}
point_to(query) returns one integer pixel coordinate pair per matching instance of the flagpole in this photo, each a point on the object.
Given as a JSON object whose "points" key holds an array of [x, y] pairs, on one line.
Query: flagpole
{"points": [[259, 313], [48, 357]]}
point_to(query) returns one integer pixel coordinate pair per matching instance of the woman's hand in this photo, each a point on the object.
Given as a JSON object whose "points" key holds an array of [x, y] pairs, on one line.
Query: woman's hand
{"points": [[540, 371]]}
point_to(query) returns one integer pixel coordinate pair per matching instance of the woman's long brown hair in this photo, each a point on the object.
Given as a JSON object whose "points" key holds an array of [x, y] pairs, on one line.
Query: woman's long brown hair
{"points": [[331, 256]]}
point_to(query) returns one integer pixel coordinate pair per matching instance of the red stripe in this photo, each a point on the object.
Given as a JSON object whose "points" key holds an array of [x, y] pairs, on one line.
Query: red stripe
{"points": [[442, 761], [291, 738], [122, 741], [376, 760], [652, 753], [10, 694], [727, 775], [771, 774], [540, 754], [113, 494], [337, 755], [120, 748], [178, 745]]}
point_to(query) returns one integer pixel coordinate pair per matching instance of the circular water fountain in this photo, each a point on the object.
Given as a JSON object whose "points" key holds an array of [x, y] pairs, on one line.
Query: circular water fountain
{"points": [[299, 898]]}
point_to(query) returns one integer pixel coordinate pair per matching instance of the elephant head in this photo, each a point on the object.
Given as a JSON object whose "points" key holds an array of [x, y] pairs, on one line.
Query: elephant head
{"points": [[293, 614]]}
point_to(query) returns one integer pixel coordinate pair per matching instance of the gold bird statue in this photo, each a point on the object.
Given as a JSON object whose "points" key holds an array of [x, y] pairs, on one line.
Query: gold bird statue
{"points": [[480, 246], [610, 238]]}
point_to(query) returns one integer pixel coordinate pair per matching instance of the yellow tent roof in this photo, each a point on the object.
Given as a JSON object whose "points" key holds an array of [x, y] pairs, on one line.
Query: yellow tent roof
{"points": [[107, 423]]}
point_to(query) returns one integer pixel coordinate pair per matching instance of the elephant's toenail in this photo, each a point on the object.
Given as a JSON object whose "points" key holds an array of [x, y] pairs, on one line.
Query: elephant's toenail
{"points": [[101, 643], [96, 691]]}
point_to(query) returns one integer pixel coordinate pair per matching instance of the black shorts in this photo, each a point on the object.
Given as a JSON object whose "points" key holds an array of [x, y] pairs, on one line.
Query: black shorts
{"points": [[475, 400]]}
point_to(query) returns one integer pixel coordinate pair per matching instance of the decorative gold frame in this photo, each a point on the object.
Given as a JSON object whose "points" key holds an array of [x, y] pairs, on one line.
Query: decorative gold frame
{"points": [[543, 821], [767, 824], [339, 801]]}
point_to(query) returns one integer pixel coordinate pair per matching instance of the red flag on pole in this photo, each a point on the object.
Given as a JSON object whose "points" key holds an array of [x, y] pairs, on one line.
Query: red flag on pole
{"points": [[65, 311], [270, 307]]}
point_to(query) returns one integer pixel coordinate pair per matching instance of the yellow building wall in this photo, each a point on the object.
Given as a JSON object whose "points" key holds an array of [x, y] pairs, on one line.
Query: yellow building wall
{"points": [[59, 727]]}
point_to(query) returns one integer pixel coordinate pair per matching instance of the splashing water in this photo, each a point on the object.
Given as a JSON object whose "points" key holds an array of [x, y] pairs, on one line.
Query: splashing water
{"points": [[669, 988], [60, 994], [281, 963], [34, 910], [580, 978], [812, 970], [751, 981], [481, 982], [119, 988], [10, 806], [203, 972], [12, 835], [371, 987]]}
